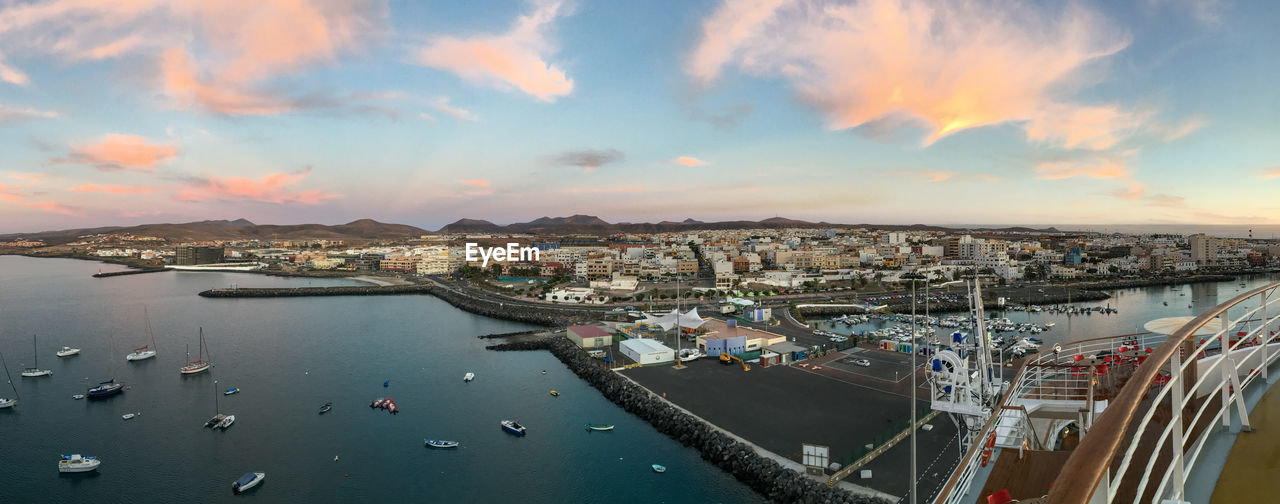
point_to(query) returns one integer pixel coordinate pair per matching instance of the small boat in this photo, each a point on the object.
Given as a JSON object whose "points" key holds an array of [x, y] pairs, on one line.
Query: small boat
{"points": [[6, 402], [147, 351], [440, 443], [226, 422], [105, 389], [129, 416], [555, 394], [249, 480], [600, 426], [199, 365], [68, 351], [513, 427], [232, 390], [78, 397], [325, 409], [33, 372], [386, 384], [659, 468], [468, 377], [77, 464]]}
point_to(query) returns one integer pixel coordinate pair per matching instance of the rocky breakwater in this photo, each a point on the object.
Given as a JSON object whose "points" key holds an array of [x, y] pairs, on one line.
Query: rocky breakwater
{"points": [[345, 290], [764, 475]]}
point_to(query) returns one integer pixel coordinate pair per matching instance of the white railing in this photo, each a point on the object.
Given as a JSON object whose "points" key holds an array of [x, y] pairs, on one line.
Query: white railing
{"points": [[1181, 356]]}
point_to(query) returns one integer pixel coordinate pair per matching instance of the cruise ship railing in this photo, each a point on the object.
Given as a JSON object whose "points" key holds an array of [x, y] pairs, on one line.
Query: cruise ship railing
{"points": [[1047, 375], [1113, 455]]}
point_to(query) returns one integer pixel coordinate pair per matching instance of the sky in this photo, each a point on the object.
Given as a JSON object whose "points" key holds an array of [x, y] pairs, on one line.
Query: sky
{"points": [[424, 112]]}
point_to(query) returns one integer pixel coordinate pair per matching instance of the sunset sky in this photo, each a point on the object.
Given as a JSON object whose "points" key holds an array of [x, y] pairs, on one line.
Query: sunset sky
{"points": [[967, 112]]}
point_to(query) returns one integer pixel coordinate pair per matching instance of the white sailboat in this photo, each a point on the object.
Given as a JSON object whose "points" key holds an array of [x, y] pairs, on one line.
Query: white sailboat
{"points": [[6, 402], [201, 364], [35, 371], [148, 351], [68, 351]]}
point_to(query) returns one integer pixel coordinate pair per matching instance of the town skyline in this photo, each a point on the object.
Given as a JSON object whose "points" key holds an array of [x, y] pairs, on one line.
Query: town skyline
{"points": [[1155, 113]]}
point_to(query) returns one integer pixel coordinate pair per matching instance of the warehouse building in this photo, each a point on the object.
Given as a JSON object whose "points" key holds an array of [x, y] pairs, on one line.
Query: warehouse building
{"points": [[647, 351], [589, 336]]}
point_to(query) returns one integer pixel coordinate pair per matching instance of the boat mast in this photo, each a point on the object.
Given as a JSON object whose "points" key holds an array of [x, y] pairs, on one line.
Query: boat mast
{"points": [[216, 409], [9, 378], [35, 351], [149, 333]]}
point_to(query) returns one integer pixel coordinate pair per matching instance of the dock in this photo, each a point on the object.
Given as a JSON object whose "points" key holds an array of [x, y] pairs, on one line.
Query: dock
{"points": [[128, 272]]}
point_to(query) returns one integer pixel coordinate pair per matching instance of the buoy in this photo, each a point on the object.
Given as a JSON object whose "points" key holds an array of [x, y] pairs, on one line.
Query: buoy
{"points": [[335, 458]]}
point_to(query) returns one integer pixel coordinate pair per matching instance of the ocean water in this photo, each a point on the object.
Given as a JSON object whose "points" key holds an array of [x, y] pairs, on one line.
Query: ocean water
{"points": [[288, 357]]}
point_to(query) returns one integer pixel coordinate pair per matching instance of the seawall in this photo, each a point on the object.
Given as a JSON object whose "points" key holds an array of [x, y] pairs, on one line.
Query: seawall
{"points": [[129, 272], [763, 475], [553, 316]]}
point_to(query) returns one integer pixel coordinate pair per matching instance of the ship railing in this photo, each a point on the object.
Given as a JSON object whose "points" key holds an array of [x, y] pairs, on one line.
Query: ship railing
{"points": [[1105, 459]]}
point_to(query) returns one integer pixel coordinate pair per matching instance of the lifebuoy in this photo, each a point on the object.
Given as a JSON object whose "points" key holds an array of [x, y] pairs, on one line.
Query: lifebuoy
{"points": [[988, 449]]}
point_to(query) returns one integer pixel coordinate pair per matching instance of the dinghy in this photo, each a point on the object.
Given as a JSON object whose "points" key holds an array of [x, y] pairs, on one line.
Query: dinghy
{"points": [[440, 443]]}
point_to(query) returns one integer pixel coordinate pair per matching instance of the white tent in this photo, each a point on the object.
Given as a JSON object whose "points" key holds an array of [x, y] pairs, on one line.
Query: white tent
{"points": [[690, 319]]}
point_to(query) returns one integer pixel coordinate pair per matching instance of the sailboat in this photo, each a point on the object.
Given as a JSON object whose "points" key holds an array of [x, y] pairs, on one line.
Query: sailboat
{"points": [[219, 420], [148, 351], [199, 365], [5, 402], [110, 387], [35, 371]]}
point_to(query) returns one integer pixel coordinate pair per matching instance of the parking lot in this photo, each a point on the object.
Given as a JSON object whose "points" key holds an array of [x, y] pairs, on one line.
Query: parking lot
{"points": [[888, 366]]}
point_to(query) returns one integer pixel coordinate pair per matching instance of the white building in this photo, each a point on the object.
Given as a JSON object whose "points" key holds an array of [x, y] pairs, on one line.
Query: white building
{"points": [[646, 351]]}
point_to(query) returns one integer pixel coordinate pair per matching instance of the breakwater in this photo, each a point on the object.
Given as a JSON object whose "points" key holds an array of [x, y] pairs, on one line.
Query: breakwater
{"points": [[128, 272], [1157, 282], [554, 316], [764, 475], [315, 291]]}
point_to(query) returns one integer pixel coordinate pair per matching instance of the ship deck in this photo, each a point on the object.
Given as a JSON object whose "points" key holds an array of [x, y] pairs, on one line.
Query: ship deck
{"points": [[1249, 474]]}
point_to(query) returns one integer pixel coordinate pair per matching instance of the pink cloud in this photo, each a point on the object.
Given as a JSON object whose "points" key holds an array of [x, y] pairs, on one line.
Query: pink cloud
{"points": [[481, 187], [512, 60], [607, 190], [9, 194], [116, 152], [9, 113], [948, 67], [240, 43], [1101, 167], [442, 105], [689, 161], [1271, 173], [112, 189], [273, 188]]}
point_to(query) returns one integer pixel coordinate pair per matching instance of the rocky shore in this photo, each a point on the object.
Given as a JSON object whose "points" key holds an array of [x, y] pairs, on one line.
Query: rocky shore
{"points": [[763, 475]]}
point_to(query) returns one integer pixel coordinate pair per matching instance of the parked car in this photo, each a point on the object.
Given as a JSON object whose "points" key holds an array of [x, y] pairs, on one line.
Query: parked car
{"points": [[863, 362]]}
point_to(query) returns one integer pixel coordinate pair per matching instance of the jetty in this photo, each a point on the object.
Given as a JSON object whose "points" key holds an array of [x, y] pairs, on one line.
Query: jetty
{"points": [[344, 290], [138, 271]]}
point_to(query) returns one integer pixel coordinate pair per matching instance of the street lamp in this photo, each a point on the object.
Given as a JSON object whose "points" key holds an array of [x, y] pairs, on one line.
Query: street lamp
{"points": [[914, 335]]}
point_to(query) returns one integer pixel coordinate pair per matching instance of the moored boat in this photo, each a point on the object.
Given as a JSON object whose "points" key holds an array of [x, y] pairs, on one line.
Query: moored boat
{"points": [[129, 416], [249, 480], [232, 390], [35, 371], [77, 464], [468, 377], [147, 351], [513, 427], [68, 351], [78, 397], [105, 389], [554, 393], [440, 443], [226, 422], [599, 427], [659, 468], [325, 409], [201, 364], [6, 402]]}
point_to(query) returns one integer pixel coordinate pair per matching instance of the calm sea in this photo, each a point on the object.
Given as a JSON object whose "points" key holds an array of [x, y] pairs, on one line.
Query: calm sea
{"points": [[288, 357]]}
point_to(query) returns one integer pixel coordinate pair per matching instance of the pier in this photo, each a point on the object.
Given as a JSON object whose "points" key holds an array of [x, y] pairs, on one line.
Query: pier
{"points": [[128, 272]]}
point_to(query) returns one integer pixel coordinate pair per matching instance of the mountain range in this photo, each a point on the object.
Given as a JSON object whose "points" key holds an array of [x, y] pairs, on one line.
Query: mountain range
{"points": [[369, 229]]}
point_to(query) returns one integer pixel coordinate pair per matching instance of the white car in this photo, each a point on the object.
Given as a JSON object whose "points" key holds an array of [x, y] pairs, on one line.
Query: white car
{"points": [[863, 362]]}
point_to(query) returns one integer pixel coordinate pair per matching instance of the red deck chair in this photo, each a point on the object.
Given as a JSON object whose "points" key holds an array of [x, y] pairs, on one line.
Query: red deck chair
{"points": [[1001, 497]]}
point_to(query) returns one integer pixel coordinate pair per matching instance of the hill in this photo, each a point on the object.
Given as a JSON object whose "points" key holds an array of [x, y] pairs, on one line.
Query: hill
{"points": [[240, 229]]}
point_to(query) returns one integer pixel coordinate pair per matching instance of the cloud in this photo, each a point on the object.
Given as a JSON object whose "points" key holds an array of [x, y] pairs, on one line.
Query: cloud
{"points": [[588, 159], [121, 152], [515, 60], [607, 190], [1094, 166], [1166, 200], [1270, 173], [689, 161], [30, 179], [112, 189], [11, 114], [215, 55], [273, 188], [946, 68], [12, 75], [10, 194], [1207, 12], [426, 116], [927, 175], [442, 105], [989, 177], [480, 187]]}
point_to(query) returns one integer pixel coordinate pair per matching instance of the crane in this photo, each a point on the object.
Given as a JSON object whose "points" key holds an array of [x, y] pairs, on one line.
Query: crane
{"points": [[727, 359]]}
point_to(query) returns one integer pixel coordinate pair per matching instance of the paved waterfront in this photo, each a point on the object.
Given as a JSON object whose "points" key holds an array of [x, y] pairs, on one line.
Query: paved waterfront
{"points": [[779, 408]]}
